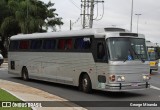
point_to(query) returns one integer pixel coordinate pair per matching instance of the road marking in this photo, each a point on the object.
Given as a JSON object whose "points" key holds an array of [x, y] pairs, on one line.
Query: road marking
{"points": [[153, 87]]}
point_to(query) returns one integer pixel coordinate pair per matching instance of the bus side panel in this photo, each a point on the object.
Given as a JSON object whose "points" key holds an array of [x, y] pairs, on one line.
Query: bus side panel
{"points": [[14, 64]]}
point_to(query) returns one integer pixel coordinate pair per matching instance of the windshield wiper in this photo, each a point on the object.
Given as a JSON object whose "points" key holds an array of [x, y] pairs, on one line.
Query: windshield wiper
{"points": [[138, 55], [129, 56], [125, 59]]}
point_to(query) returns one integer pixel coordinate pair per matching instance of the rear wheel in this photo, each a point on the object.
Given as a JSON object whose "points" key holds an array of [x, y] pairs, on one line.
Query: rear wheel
{"points": [[25, 74], [85, 84]]}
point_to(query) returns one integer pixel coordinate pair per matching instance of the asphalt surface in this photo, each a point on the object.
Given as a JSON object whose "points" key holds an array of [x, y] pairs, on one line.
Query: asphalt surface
{"points": [[73, 94]]}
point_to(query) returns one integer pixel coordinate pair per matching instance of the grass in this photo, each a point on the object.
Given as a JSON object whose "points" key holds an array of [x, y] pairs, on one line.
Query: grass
{"points": [[5, 96]]}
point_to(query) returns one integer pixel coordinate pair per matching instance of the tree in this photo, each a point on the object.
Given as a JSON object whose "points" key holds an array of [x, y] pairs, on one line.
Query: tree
{"points": [[52, 20], [26, 16]]}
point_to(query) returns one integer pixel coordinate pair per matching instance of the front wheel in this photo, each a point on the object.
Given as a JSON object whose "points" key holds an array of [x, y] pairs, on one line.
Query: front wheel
{"points": [[86, 84], [25, 74], [150, 71]]}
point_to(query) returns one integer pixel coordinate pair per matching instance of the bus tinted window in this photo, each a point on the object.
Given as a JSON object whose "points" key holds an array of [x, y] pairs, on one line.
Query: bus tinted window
{"points": [[65, 44], [69, 44], [49, 44], [14, 45], [82, 43], [24, 45], [36, 44], [100, 51], [61, 44]]}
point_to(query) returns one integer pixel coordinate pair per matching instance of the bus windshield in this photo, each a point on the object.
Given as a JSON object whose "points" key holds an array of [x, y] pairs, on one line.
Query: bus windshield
{"points": [[122, 49], [152, 53]]}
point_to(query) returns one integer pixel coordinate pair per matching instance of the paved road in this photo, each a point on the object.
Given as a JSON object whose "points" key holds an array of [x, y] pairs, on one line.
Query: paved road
{"points": [[73, 94]]}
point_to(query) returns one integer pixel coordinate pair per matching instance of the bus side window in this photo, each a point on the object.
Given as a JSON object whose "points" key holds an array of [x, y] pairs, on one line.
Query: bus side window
{"points": [[78, 43], [100, 51], [24, 44], [68, 44], [14, 45], [49, 44], [61, 44], [82, 43], [36, 44]]}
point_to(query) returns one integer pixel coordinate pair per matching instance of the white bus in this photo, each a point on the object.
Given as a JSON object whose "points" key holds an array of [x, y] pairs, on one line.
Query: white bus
{"points": [[108, 59], [153, 55]]}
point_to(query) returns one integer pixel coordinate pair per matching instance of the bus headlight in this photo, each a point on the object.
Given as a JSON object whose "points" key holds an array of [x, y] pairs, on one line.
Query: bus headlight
{"points": [[112, 78], [146, 77], [120, 78]]}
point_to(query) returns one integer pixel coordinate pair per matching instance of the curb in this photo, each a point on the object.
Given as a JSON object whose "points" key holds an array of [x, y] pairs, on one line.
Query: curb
{"points": [[39, 96], [33, 108]]}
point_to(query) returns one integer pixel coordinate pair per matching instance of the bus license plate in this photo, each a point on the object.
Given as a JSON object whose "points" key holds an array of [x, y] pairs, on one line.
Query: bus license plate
{"points": [[134, 85]]}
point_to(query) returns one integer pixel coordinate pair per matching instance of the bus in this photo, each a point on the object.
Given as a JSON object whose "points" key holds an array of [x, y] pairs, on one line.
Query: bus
{"points": [[153, 55], [107, 59]]}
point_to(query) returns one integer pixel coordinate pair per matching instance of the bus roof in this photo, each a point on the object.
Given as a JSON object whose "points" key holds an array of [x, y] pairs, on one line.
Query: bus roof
{"points": [[151, 44], [98, 32]]}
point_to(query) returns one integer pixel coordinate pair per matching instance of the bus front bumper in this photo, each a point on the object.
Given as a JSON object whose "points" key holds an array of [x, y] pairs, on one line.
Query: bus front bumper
{"points": [[154, 68], [127, 87]]}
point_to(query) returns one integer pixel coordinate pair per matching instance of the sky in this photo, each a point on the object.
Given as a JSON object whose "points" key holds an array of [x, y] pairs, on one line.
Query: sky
{"points": [[117, 13]]}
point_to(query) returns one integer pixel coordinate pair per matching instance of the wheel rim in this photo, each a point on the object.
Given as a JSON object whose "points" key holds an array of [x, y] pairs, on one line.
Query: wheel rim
{"points": [[24, 75], [85, 83]]}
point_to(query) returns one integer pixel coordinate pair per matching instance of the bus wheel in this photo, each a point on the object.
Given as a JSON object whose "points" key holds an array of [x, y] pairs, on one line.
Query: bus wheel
{"points": [[25, 74], [150, 71], [86, 84]]}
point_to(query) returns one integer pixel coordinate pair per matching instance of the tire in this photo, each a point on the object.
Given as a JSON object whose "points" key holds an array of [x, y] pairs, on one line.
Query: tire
{"points": [[85, 84], [25, 74], [150, 71]]}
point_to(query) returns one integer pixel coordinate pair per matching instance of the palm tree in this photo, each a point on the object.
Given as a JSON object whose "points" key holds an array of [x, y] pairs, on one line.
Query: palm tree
{"points": [[26, 16]]}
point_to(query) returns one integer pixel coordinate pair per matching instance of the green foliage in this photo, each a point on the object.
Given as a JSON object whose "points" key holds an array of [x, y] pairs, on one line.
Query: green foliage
{"points": [[5, 96], [26, 16]]}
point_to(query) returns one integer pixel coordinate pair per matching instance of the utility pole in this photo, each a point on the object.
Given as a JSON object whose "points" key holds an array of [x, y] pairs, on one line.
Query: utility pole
{"points": [[137, 20], [91, 14], [87, 7], [84, 14], [131, 16], [70, 25]]}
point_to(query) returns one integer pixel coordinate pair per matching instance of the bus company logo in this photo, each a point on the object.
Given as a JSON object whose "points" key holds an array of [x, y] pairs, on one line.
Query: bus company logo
{"points": [[6, 104]]}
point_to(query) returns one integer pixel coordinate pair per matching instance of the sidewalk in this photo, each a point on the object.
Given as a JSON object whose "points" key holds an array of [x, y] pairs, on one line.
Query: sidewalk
{"points": [[26, 93]]}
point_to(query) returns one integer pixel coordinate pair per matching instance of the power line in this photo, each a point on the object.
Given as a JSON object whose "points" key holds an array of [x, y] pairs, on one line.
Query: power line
{"points": [[74, 4], [76, 20], [102, 14]]}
